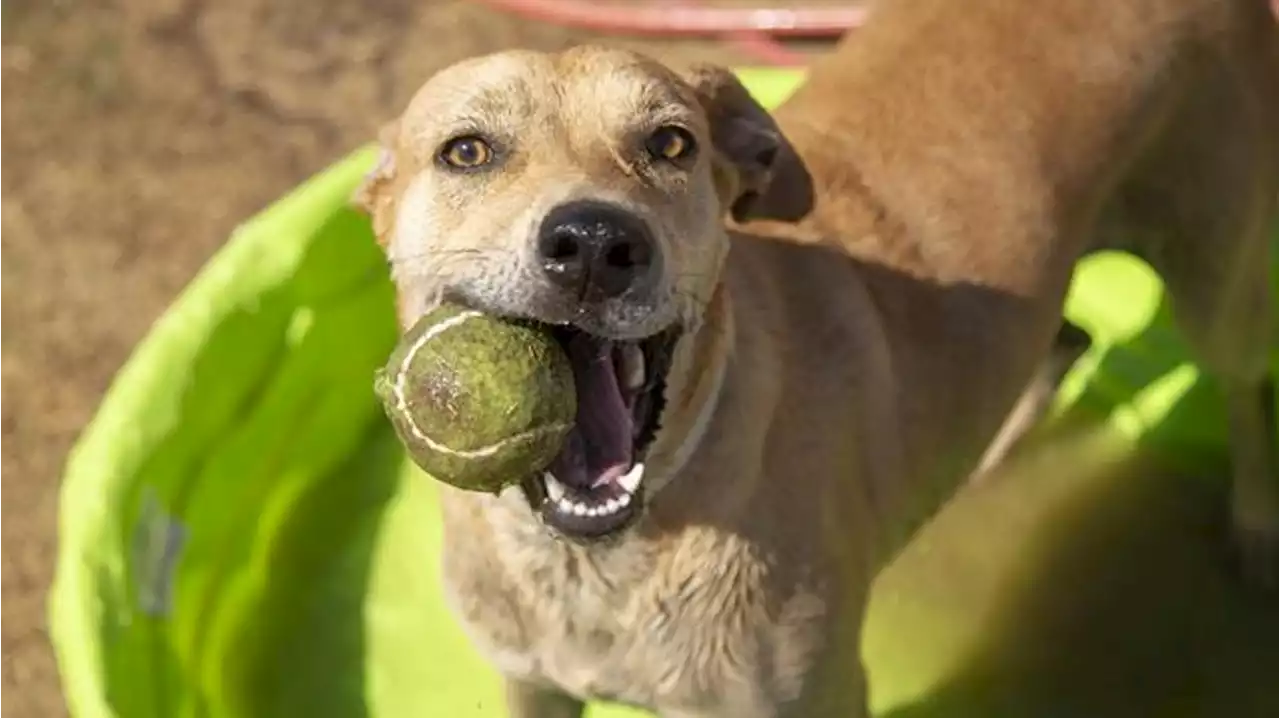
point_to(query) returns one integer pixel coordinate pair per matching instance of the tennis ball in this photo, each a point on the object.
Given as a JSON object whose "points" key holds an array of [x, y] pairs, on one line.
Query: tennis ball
{"points": [[479, 402]]}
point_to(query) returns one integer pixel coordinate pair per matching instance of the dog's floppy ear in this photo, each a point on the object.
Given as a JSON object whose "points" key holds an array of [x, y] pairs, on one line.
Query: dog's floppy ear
{"points": [[759, 174], [374, 195]]}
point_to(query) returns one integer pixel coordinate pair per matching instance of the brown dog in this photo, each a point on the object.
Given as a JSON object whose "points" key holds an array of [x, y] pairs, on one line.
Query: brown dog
{"points": [[767, 414]]}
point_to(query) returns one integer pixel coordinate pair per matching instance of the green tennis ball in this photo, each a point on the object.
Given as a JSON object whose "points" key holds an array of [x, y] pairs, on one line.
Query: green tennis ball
{"points": [[479, 402]]}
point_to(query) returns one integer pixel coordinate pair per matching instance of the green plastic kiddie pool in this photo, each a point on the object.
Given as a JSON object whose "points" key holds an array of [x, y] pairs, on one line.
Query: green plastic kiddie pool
{"points": [[240, 535]]}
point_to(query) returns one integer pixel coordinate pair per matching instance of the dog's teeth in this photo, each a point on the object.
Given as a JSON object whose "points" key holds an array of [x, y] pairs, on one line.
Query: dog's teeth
{"points": [[557, 494], [631, 480], [555, 489], [632, 366]]}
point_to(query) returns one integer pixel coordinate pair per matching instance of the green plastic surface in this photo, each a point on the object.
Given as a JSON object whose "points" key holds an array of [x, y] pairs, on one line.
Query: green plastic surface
{"points": [[240, 535]]}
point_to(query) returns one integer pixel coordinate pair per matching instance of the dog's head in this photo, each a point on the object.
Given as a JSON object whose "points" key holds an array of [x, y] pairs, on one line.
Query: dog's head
{"points": [[586, 190]]}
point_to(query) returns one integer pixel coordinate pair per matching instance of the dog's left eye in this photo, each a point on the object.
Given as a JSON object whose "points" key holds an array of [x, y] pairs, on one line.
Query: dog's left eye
{"points": [[671, 143]]}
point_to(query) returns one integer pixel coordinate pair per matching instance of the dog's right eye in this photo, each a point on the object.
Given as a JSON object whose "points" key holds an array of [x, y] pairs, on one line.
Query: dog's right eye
{"points": [[466, 153]]}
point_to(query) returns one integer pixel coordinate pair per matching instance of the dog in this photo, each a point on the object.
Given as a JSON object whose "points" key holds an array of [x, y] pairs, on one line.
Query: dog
{"points": [[794, 336]]}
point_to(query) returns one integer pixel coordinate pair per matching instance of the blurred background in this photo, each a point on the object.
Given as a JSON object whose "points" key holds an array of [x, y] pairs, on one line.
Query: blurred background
{"points": [[136, 135]]}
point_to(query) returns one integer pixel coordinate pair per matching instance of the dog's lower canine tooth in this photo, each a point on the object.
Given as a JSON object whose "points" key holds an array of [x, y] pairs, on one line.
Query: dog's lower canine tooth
{"points": [[555, 490], [631, 480]]}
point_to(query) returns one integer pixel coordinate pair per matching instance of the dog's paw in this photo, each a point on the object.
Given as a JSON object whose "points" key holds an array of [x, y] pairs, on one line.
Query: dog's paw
{"points": [[1257, 556]]}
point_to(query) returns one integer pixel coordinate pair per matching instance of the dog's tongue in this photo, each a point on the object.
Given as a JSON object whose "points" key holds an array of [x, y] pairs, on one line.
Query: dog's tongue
{"points": [[599, 448]]}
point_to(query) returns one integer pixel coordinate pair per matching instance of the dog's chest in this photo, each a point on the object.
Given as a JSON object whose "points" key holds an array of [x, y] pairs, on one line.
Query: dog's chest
{"points": [[626, 626]]}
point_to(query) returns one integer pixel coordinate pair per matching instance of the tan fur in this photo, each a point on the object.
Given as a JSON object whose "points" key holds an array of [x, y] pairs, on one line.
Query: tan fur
{"points": [[853, 353]]}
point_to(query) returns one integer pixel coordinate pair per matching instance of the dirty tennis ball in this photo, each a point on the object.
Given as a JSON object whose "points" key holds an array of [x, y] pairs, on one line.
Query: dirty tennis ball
{"points": [[479, 402]]}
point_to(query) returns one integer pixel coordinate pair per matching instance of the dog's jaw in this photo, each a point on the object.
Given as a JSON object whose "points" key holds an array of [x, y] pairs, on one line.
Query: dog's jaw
{"points": [[695, 384]]}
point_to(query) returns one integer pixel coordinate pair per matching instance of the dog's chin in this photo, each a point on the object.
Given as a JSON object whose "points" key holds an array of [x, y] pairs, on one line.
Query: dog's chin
{"points": [[594, 489]]}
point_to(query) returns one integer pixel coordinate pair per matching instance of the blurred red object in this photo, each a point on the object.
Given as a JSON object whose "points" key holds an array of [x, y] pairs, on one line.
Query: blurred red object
{"points": [[754, 30], [686, 20]]}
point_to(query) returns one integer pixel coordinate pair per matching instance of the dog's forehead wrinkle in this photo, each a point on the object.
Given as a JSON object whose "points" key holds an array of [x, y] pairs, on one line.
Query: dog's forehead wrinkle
{"points": [[498, 91], [498, 110], [611, 145]]}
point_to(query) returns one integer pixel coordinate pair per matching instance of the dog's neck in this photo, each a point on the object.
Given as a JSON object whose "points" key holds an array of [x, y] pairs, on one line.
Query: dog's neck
{"points": [[696, 382]]}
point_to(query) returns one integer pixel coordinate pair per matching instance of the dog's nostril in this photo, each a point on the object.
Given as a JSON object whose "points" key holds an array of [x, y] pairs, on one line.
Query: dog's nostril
{"points": [[562, 246], [625, 255]]}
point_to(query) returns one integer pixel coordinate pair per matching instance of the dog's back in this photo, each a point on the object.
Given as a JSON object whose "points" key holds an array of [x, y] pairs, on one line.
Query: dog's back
{"points": [[959, 115], [981, 148]]}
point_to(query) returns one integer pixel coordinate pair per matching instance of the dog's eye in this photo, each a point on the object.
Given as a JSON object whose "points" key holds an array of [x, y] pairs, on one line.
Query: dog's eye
{"points": [[671, 143], [466, 153]]}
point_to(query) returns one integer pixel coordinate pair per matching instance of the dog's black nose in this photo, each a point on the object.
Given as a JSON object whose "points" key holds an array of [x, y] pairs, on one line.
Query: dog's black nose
{"points": [[595, 249]]}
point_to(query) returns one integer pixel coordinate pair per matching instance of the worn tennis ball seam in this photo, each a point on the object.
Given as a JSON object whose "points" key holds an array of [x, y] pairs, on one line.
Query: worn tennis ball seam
{"points": [[402, 402]]}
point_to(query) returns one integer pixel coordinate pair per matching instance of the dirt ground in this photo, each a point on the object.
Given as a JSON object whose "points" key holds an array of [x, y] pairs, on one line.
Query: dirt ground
{"points": [[136, 134]]}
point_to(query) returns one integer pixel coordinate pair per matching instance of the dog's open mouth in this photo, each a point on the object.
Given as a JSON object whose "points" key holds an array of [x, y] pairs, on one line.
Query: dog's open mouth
{"points": [[593, 487]]}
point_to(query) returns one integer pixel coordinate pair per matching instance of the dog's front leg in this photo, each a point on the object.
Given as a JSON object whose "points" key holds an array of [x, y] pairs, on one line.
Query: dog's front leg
{"points": [[529, 700]]}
